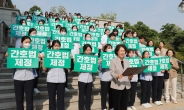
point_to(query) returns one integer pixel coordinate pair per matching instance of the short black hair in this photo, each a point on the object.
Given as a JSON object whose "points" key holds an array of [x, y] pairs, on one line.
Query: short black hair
{"points": [[24, 38], [128, 31], [31, 30], [105, 47], [86, 46], [54, 42], [170, 50], [129, 50], [21, 21], [41, 21], [144, 53], [57, 19], [118, 48], [63, 28], [149, 41], [141, 37], [106, 30], [58, 26], [112, 34], [75, 26], [156, 48], [105, 24], [86, 35], [29, 17], [162, 42]]}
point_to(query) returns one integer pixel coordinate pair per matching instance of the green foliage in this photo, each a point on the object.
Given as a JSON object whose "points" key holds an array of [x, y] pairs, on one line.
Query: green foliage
{"points": [[59, 9], [108, 16], [34, 8]]}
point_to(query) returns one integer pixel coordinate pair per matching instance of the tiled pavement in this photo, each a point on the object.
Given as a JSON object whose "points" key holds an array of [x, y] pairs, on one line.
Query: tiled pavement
{"points": [[169, 106]]}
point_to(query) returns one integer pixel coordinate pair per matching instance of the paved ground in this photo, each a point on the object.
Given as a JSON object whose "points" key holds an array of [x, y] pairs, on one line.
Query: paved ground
{"points": [[169, 106]]}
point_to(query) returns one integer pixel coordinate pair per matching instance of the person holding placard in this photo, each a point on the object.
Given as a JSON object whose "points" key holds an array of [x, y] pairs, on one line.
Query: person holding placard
{"points": [[128, 34], [135, 34], [105, 37], [162, 49], [41, 22], [29, 18], [32, 32], [18, 40], [92, 28], [150, 43], [120, 84], [146, 84], [131, 54], [158, 79], [115, 31], [24, 81], [56, 79], [85, 84], [106, 82], [172, 78]]}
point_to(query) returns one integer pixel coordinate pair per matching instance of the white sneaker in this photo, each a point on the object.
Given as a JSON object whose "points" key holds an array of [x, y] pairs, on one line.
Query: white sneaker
{"points": [[104, 109], [160, 102], [112, 109], [174, 101], [66, 89], [145, 105], [36, 91], [157, 103], [129, 108], [133, 108], [149, 105]]}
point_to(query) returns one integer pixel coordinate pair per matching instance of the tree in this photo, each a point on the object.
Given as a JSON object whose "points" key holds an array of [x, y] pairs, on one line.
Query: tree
{"points": [[108, 16], [59, 9], [169, 31], [34, 8]]}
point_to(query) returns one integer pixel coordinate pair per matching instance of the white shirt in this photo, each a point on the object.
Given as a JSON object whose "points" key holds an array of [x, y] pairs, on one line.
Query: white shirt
{"points": [[106, 76], [75, 50], [157, 73], [104, 39], [135, 78], [146, 76], [56, 75], [18, 43], [85, 77], [23, 74]]}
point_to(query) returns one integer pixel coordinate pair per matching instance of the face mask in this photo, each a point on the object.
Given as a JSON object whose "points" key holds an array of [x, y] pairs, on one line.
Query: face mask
{"points": [[63, 33], [91, 30], [157, 52], [33, 35], [28, 19], [134, 35], [24, 24], [74, 29], [109, 50], [27, 45], [88, 38]]}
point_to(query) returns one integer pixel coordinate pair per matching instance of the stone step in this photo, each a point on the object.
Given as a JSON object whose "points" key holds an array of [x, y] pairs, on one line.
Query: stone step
{"points": [[10, 97], [71, 81], [71, 103], [42, 104], [41, 87]]}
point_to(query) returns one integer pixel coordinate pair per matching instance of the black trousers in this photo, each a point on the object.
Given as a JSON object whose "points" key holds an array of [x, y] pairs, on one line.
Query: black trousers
{"points": [[66, 73], [20, 87], [157, 88], [120, 99], [145, 91], [52, 88], [132, 93], [105, 88], [85, 90], [36, 78]]}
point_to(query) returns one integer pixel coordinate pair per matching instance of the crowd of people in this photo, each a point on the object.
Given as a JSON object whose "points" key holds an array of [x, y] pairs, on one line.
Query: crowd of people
{"points": [[118, 89]]}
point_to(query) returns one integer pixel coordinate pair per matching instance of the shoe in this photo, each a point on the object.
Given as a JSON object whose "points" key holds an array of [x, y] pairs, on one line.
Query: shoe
{"points": [[133, 108], [157, 103], [149, 105], [160, 102], [167, 101], [111, 109], [66, 89], [174, 101], [36, 91], [104, 109], [145, 105], [129, 108]]}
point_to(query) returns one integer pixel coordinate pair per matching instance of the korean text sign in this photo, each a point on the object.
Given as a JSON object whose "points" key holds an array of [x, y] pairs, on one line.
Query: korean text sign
{"points": [[22, 58], [57, 58], [86, 63]]}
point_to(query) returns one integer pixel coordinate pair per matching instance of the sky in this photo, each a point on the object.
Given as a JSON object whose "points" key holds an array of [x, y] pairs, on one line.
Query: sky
{"points": [[154, 13]]}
